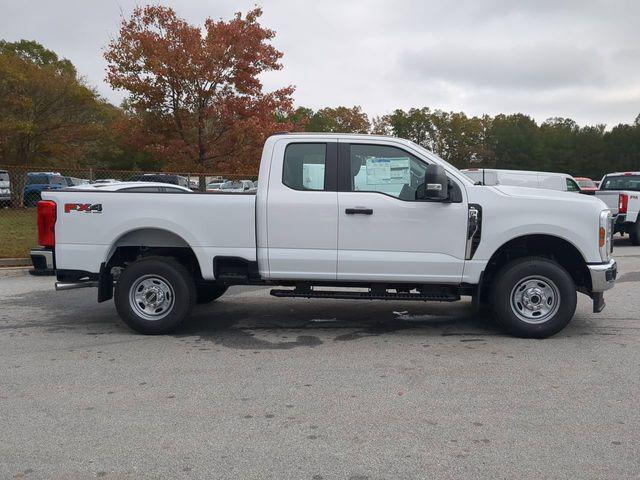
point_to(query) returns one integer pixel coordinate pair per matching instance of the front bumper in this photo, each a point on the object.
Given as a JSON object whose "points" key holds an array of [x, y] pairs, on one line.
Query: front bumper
{"points": [[603, 277]]}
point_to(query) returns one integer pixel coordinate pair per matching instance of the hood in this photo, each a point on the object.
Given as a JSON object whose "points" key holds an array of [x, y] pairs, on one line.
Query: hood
{"points": [[4, 184], [543, 193]]}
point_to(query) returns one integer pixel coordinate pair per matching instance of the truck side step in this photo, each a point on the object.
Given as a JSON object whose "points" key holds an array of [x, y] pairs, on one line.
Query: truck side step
{"points": [[433, 296]]}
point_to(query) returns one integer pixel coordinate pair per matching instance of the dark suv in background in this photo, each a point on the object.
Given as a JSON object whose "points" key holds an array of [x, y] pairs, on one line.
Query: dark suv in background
{"points": [[37, 182]]}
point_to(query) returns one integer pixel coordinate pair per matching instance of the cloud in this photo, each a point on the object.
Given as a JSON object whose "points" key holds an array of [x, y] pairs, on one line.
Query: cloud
{"points": [[534, 68], [572, 58]]}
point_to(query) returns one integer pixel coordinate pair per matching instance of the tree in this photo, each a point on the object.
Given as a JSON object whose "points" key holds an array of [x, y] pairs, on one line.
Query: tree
{"points": [[196, 91], [515, 142], [339, 120], [47, 115]]}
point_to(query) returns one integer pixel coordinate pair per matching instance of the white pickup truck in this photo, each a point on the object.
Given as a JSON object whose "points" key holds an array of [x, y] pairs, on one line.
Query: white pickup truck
{"points": [[335, 216], [621, 192]]}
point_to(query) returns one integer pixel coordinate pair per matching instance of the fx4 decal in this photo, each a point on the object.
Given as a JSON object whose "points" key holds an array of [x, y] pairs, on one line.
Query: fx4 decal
{"points": [[83, 207]]}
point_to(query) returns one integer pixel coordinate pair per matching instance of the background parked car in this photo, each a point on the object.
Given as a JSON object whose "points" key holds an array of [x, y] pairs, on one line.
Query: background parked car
{"points": [[37, 182], [587, 185], [523, 178], [161, 178], [215, 185], [238, 186], [5, 188], [134, 187]]}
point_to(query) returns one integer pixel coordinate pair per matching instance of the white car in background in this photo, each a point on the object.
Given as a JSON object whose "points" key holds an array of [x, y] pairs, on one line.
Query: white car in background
{"points": [[5, 188], [523, 178], [134, 187], [237, 186]]}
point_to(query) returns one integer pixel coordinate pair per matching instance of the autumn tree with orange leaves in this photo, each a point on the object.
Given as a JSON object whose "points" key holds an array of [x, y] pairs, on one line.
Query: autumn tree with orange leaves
{"points": [[195, 91]]}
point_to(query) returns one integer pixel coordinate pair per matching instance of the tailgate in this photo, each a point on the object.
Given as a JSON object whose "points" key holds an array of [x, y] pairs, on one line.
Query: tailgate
{"points": [[611, 198]]}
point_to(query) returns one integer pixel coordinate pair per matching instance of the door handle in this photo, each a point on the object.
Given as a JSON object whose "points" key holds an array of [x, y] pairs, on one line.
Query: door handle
{"points": [[359, 211]]}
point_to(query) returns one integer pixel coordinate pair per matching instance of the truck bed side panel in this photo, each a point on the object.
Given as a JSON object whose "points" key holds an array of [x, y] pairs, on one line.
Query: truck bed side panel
{"points": [[212, 225]]}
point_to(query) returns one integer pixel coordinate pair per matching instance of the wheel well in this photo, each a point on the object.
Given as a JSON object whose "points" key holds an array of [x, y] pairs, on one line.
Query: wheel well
{"points": [[548, 246], [145, 242]]}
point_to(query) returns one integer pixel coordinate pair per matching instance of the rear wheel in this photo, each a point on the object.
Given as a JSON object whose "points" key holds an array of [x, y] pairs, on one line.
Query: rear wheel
{"points": [[209, 293], [533, 297], [154, 295]]}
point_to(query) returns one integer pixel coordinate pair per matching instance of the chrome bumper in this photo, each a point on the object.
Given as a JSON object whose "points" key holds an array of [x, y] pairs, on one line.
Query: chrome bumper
{"points": [[603, 276]]}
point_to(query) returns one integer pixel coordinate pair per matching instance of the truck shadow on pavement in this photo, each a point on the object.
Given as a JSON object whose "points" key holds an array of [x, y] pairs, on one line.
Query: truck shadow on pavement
{"points": [[291, 324]]}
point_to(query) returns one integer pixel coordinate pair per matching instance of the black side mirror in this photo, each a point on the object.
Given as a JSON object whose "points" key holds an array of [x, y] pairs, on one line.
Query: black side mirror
{"points": [[435, 186]]}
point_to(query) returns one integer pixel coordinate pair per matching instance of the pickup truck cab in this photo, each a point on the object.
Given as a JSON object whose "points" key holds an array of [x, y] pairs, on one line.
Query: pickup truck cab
{"points": [[335, 216], [621, 192]]}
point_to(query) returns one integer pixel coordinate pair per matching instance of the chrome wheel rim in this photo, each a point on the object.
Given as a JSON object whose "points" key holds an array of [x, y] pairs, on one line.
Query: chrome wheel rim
{"points": [[151, 297], [535, 299]]}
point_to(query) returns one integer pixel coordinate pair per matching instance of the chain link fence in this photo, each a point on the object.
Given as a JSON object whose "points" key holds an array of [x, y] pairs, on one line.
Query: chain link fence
{"points": [[21, 188]]}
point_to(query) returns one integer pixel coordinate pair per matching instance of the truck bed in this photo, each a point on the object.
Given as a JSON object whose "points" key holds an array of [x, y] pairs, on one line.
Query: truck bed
{"points": [[610, 197], [211, 224]]}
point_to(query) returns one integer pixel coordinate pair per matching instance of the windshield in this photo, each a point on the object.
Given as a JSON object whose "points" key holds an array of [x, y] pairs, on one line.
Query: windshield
{"points": [[621, 182], [586, 183], [4, 177]]}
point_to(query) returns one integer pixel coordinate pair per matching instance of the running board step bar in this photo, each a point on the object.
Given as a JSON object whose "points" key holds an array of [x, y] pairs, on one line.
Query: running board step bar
{"points": [[442, 296]]}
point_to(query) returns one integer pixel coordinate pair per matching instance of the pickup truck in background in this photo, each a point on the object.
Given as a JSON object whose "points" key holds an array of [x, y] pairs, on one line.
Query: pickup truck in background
{"points": [[38, 182], [335, 216], [621, 192]]}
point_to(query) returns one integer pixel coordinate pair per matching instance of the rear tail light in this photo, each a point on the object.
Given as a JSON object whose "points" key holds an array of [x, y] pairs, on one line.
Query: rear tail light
{"points": [[623, 201], [47, 223]]}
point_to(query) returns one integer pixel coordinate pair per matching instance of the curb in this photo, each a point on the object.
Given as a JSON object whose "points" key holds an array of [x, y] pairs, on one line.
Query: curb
{"points": [[15, 262], [13, 271]]}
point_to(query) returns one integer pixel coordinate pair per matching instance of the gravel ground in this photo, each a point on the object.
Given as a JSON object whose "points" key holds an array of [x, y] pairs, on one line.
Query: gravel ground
{"points": [[256, 387]]}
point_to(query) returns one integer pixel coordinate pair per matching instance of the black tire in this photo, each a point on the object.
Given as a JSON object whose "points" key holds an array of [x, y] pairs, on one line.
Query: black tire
{"points": [[168, 273], [634, 233], [539, 271], [209, 293]]}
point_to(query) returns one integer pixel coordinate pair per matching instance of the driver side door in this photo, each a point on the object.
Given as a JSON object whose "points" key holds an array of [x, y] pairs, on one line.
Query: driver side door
{"points": [[384, 233]]}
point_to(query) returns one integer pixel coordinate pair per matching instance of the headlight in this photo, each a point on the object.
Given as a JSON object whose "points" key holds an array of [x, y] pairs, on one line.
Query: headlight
{"points": [[604, 235]]}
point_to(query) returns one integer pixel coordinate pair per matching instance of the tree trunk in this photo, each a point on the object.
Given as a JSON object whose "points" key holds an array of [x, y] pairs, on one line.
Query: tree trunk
{"points": [[17, 181]]}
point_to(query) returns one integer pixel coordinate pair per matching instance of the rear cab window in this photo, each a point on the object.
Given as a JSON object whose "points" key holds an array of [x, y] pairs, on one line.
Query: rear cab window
{"points": [[621, 182], [304, 166]]}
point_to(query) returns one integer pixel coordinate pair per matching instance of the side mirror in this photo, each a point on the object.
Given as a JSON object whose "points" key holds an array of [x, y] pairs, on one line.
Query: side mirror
{"points": [[435, 186]]}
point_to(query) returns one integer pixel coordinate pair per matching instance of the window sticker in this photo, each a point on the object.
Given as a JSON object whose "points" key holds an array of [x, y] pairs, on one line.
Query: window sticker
{"points": [[387, 170]]}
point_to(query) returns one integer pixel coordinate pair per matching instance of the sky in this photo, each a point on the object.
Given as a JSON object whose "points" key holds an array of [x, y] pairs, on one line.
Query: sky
{"points": [[545, 58]]}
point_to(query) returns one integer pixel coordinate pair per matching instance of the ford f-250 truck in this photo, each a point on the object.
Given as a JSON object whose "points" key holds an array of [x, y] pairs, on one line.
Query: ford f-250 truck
{"points": [[335, 216], [621, 192]]}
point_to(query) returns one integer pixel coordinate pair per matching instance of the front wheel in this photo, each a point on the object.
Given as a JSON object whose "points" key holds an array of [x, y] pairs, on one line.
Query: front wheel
{"points": [[533, 297], [154, 295]]}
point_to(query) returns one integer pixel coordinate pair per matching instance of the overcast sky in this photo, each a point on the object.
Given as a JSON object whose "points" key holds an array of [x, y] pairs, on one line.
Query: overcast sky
{"points": [[578, 59]]}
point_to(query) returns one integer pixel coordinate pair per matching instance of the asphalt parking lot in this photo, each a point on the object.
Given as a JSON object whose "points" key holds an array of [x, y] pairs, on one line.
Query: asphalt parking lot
{"points": [[256, 387]]}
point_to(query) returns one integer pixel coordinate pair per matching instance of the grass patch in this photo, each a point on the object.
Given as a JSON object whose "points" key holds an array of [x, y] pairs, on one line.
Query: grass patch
{"points": [[18, 232]]}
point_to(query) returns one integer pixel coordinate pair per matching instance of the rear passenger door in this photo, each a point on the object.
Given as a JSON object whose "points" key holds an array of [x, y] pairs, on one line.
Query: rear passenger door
{"points": [[303, 211]]}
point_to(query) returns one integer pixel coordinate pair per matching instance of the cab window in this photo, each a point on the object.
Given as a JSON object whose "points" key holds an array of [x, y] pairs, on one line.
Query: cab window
{"points": [[387, 170], [304, 166]]}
